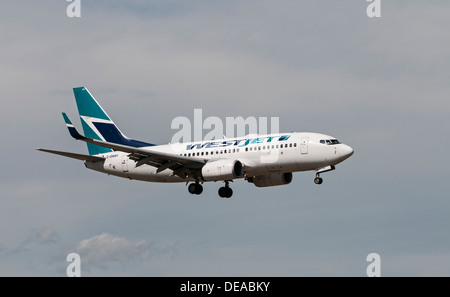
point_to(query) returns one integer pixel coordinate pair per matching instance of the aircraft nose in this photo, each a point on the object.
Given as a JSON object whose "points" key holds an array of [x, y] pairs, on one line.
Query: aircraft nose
{"points": [[347, 151]]}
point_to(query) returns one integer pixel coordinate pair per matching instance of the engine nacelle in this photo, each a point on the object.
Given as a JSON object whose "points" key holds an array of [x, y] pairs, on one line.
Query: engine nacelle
{"points": [[222, 170], [269, 180]]}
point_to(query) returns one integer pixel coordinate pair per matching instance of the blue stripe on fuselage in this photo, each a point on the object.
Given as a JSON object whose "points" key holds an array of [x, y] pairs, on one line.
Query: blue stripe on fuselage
{"points": [[237, 142]]}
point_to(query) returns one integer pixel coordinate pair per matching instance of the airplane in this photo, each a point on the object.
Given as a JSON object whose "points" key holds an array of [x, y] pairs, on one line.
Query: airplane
{"points": [[264, 160]]}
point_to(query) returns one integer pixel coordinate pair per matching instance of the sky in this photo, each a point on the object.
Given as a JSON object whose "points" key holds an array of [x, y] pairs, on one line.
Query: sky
{"points": [[380, 85]]}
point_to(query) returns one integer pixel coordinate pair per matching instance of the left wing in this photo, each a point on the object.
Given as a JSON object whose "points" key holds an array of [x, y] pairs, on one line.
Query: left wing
{"points": [[74, 156]]}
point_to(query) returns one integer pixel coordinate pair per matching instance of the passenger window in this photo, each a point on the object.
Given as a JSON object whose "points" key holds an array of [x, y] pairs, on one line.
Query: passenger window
{"points": [[246, 149], [264, 147], [259, 148], [277, 145], [295, 144], [202, 153], [290, 145], [237, 150]]}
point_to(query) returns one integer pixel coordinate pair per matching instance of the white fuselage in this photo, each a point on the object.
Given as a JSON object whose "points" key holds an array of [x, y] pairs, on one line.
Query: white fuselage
{"points": [[259, 155]]}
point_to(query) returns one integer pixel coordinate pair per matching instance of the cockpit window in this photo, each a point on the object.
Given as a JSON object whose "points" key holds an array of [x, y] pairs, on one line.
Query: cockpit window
{"points": [[329, 141]]}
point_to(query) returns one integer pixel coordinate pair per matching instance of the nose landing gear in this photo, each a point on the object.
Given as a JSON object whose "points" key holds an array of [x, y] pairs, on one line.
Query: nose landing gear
{"points": [[318, 180]]}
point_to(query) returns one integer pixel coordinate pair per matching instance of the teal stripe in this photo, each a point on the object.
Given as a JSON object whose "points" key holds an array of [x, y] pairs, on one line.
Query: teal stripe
{"points": [[66, 119]]}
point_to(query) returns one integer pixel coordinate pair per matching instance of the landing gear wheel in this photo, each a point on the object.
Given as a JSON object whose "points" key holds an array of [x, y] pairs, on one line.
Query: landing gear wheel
{"points": [[225, 192], [199, 189], [195, 188], [229, 193], [222, 192], [192, 188], [318, 180]]}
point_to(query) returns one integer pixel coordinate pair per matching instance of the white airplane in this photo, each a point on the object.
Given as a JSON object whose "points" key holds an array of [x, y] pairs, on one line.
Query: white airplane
{"points": [[264, 160]]}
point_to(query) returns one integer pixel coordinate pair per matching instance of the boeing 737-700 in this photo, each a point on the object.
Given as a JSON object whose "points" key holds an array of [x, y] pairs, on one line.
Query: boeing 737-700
{"points": [[264, 160]]}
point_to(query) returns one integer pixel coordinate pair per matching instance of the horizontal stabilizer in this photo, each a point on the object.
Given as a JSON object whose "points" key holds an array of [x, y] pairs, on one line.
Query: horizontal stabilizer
{"points": [[72, 130], [74, 156]]}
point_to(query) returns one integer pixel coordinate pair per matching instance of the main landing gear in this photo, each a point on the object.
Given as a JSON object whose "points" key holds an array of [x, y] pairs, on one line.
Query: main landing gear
{"points": [[226, 192], [195, 188]]}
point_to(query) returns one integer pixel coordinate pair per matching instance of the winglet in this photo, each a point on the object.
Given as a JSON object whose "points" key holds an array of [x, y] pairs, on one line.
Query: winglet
{"points": [[72, 130]]}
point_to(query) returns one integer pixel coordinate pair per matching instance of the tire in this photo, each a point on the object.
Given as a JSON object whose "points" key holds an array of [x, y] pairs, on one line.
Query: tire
{"points": [[229, 192], [192, 188], [199, 189], [222, 192], [318, 180]]}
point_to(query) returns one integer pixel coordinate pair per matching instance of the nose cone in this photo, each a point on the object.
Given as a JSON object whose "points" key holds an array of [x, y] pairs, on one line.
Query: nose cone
{"points": [[346, 151]]}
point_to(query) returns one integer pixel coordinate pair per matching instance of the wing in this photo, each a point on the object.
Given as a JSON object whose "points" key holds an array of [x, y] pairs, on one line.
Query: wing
{"points": [[182, 166], [74, 156]]}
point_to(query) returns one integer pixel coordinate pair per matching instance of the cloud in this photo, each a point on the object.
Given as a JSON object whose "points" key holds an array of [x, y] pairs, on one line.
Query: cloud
{"points": [[101, 250], [44, 251], [38, 236]]}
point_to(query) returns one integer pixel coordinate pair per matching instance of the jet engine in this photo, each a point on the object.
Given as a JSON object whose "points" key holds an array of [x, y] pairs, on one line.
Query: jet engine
{"points": [[222, 170], [269, 180]]}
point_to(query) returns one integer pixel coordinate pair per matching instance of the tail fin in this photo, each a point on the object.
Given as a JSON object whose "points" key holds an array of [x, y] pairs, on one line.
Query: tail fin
{"points": [[98, 125]]}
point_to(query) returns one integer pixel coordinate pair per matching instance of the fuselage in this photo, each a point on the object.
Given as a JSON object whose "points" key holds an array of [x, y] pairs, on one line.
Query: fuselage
{"points": [[259, 154]]}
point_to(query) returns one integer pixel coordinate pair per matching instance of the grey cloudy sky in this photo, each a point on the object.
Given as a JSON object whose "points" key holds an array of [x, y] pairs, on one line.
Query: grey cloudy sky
{"points": [[379, 85]]}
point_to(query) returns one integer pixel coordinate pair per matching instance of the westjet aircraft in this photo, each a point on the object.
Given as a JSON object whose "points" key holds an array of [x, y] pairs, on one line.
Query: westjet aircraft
{"points": [[264, 160]]}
